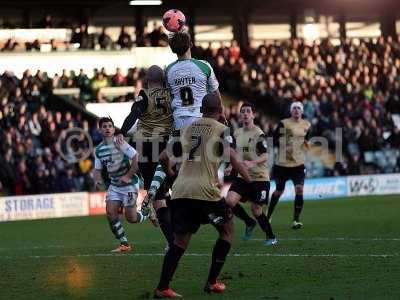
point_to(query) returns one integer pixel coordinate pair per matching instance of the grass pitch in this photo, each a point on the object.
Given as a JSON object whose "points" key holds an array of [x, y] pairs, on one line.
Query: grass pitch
{"points": [[348, 249]]}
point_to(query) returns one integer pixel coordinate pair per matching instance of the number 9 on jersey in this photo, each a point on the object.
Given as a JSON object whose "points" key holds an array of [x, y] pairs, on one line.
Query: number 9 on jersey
{"points": [[186, 96]]}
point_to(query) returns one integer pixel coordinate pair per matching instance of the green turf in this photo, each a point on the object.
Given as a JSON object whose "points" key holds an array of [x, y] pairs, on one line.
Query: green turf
{"points": [[66, 258]]}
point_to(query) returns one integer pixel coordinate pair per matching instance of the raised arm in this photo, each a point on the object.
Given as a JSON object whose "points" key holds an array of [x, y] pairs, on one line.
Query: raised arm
{"points": [[138, 108]]}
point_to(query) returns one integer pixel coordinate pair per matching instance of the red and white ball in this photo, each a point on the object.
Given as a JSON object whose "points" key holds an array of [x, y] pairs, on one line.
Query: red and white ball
{"points": [[174, 20]]}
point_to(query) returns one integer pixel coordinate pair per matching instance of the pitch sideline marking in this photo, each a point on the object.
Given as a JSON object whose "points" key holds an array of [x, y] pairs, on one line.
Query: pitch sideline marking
{"points": [[335, 239], [206, 255], [209, 240]]}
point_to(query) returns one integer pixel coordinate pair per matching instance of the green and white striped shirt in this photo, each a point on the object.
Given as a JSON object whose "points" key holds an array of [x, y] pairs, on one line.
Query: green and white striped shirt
{"points": [[116, 161]]}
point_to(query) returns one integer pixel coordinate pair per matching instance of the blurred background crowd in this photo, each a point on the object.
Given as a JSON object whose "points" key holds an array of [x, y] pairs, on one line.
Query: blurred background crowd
{"points": [[352, 86], [30, 162]]}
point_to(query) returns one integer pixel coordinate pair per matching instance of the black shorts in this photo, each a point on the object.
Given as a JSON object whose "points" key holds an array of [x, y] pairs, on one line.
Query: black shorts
{"points": [[148, 162], [255, 191], [188, 214], [283, 174]]}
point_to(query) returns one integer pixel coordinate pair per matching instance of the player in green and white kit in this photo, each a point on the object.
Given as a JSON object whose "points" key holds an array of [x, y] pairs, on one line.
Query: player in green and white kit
{"points": [[121, 162], [189, 80]]}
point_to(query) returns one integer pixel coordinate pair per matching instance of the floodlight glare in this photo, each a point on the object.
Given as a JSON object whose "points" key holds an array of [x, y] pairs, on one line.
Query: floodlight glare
{"points": [[145, 2]]}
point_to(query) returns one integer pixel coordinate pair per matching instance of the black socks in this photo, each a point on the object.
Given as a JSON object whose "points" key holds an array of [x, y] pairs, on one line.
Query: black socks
{"points": [[170, 263], [220, 251]]}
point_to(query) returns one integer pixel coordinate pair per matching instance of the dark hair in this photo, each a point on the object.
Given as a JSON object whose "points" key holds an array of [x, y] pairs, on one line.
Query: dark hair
{"points": [[211, 104], [248, 104], [179, 42], [105, 120]]}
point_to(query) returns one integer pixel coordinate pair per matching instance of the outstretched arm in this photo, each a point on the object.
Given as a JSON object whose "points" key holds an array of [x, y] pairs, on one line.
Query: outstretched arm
{"points": [[138, 108]]}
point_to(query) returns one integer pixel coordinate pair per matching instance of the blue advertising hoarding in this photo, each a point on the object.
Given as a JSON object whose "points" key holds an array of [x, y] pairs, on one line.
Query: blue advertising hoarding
{"points": [[317, 188]]}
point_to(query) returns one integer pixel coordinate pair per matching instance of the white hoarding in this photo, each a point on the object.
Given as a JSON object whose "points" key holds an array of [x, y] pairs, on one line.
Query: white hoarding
{"points": [[373, 184], [43, 206], [117, 111], [55, 62]]}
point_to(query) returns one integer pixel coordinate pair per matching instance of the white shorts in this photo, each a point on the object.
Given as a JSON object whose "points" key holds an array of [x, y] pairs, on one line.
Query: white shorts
{"points": [[184, 121], [125, 194]]}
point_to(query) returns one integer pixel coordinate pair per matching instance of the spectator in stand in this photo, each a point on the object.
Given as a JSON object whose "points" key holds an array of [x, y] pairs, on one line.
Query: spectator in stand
{"points": [[104, 40], [23, 184], [81, 37], [124, 39], [394, 138], [118, 79], [234, 50], [50, 133], [46, 22], [98, 82], [141, 39], [158, 37], [67, 182], [10, 45], [7, 175], [53, 45], [35, 45], [34, 125], [82, 81], [393, 103], [63, 81], [55, 82], [134, 74]]}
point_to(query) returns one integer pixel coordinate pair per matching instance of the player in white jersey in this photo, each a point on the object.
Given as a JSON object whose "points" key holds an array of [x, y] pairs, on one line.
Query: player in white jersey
{"points": [[121, 161], [189, 80]]}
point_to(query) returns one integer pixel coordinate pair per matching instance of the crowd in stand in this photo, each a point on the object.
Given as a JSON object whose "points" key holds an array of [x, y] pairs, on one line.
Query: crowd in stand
{"points": [[354, 86], [351, 86], [82, 39], [90, 88], [30, 161], [155, 38]]}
